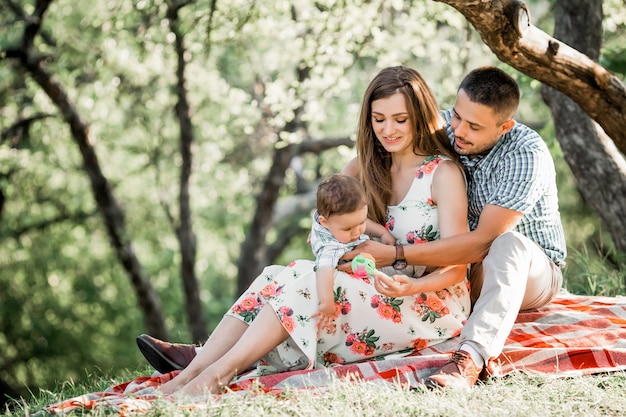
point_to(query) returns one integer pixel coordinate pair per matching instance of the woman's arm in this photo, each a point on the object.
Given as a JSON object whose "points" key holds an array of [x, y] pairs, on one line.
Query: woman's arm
{"points": [[401, 285], [449, 194]]}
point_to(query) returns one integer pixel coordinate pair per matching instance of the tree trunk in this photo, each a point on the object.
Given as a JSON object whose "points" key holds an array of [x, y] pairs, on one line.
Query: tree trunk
{"points": [[252, 257], [591, 155], [112, 213], [184, 231], [255, 253]]}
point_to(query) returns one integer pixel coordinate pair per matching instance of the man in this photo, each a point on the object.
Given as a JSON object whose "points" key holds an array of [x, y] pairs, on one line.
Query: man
{"points": [[516, 243]]}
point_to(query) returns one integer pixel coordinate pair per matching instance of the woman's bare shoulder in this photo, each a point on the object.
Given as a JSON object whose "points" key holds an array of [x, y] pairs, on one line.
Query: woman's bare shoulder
{"points": [[352, 168]]}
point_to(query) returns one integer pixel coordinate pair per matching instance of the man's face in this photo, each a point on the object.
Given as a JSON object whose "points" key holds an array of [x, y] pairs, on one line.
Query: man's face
{"points": [[476, 127]]}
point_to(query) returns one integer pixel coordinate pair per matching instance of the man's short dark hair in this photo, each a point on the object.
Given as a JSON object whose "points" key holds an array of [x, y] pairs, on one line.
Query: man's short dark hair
{"points": [[492, 87]]}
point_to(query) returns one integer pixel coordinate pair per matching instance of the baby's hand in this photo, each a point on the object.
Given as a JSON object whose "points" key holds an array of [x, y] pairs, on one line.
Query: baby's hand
{"points": [[326, 318], [387, 238]]}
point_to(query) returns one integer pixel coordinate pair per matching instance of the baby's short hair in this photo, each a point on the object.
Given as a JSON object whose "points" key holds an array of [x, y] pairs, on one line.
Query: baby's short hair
{"points": [[340, 194]]}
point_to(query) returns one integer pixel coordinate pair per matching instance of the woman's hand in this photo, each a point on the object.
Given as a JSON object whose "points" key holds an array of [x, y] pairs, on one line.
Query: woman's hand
{"points": [[396, 286]]}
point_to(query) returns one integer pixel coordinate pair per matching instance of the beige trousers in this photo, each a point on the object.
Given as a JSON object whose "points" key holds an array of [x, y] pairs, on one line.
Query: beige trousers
{"points": [[515, 275]]}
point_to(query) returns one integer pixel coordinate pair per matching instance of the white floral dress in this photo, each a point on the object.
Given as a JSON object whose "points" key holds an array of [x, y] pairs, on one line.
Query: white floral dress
{"points": [[368, 324]]}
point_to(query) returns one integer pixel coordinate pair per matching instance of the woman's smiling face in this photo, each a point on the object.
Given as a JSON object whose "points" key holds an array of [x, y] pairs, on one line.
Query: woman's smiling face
{"points": [[391, 123]]}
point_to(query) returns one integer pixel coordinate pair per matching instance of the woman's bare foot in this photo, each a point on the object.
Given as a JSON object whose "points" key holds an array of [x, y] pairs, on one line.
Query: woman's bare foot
{"points": [[169, 387], [207, 382]]}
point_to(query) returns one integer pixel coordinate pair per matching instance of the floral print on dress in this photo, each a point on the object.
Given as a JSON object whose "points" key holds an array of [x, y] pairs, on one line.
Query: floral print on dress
{"points": [[425, 234], [420, 343], [333, 358], [363, 343], [341, 302], [366, 279], [285, 314], [388, 308], [430, 307], [428, 166], [417, 205], [249, 307]]}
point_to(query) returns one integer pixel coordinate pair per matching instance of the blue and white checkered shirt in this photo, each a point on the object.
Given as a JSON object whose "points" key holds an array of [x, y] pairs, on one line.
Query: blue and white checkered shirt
{"points": [[518, 173]]}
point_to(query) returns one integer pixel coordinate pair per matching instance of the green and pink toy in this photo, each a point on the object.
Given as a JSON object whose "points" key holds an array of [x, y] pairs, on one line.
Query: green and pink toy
{"points": [[364, 265]]}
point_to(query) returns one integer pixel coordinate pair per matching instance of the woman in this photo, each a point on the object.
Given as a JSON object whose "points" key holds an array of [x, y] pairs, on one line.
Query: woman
{"points": [[413, 187]]}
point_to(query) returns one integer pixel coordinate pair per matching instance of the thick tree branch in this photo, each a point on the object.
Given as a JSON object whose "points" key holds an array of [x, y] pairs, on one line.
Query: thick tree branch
{"points": [[46, 223], [254, 253], [19, 130], [285, 236], [505, 27]]}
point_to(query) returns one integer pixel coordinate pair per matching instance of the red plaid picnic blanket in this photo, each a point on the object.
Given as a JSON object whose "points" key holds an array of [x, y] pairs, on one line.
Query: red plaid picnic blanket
{"points": [[573, 335]]}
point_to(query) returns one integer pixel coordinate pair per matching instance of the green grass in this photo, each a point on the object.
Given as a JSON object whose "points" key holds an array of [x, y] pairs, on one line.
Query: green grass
{"points": [[514, 395], [595, 272]]}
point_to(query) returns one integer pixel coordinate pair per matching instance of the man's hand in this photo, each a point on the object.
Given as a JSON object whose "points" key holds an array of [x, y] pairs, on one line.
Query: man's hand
{"points": [[384, 255]]}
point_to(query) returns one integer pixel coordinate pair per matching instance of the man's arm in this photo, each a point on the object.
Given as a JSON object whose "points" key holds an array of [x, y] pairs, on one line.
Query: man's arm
{"points": [[467, 247], [463, 248]]}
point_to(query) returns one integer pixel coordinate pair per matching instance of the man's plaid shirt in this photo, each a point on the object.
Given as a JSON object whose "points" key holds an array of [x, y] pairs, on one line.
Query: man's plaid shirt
{"points": [[518, 173]]}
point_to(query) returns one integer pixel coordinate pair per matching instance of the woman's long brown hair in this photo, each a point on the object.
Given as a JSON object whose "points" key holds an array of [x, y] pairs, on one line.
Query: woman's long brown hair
{"points": [[429, 135]]}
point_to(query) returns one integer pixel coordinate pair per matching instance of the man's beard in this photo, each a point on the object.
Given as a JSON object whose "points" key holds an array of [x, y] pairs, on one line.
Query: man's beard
{"points": [[461, 150], [470, 150]]}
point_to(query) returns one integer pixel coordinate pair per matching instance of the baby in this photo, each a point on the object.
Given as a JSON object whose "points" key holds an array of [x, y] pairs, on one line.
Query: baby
{"points": [[339, 224]]}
